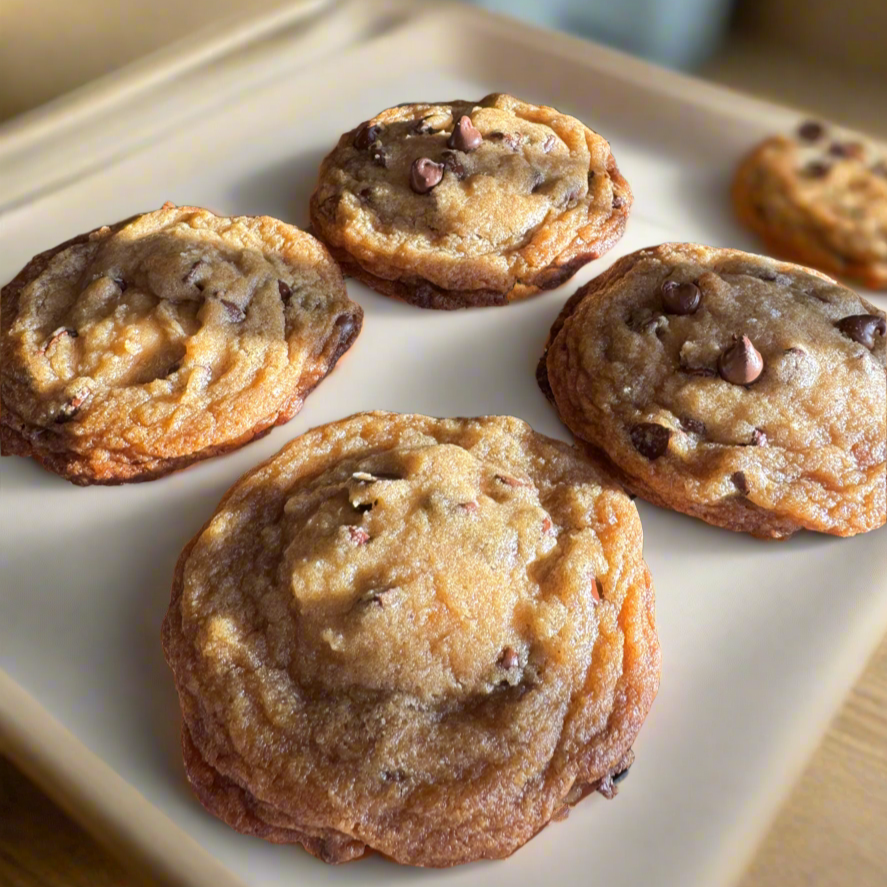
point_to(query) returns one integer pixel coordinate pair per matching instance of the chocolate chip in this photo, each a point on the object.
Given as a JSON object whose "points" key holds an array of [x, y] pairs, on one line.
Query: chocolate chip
{"points": [[285, 290], [758, 438], [363, 507], [121, 284], [618, 201], [703, 372], [423, 127], [453, 165], [847, 149], [358, 535], [741, 363], [366, 135], [811, 131], [511, 139], [653, 323], [816, 169], [862, 328], [596, 589], [775, 277], [425, 174], [235, 313], [191, 275], [510, 481], [740, 481], [693, 426], [794, 350], [59, 334], [365, 194], [549, 143], [466, 136], [650, 439], [620, 776], [509, 659], [380, 155], [469, 507], [70, 409], [680, 298], [378, 596]]}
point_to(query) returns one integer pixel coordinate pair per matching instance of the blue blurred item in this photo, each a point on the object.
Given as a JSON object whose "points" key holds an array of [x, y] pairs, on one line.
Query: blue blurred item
{"points": [[676, 33]]}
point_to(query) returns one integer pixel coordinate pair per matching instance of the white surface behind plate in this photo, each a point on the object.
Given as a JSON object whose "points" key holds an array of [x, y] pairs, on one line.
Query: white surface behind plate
{"points": [[759, 640]]}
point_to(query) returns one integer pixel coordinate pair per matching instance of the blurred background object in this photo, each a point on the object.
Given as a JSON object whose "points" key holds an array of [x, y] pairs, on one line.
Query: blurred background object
{"points": [[821, 55]]}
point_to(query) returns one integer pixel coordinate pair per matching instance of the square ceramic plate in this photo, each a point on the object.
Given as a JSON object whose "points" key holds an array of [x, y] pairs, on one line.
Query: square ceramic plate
{"points": [[760, 640]]}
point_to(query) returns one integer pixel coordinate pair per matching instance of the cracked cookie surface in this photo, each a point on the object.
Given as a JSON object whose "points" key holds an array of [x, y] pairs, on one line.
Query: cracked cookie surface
{"points": [[417, 636], [456, 204], [819, 197], [732, 387], [137, 349]]}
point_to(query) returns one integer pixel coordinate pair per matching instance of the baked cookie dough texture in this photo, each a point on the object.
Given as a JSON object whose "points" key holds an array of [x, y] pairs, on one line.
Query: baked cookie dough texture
{"points": [[457, 204], [418, 636], [136, 349], [741, 390]]}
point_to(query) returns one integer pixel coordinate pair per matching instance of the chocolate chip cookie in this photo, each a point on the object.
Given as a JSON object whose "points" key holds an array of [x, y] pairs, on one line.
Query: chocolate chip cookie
{"points": [[136, 349], [819, 197], [423, 637], [456, 204], [732, 387]]}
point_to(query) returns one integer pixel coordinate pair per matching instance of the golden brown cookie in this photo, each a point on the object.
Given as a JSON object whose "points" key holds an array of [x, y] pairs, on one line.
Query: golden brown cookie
{"points": [[137, 349], [423, 637], [456, 204], [820, 198], [732, 387]]}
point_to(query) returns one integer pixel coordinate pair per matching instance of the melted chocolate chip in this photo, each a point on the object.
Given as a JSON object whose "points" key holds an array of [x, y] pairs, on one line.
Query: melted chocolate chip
{"points": [[650, 439], [59, 334], [364, 507], [758, 438], [549, 143], [680, 298], [70, 409], [358, 535], [740, 481], [121, 284], [423, 127], [191, 275], [741, 363], [453, 165], [862, 328], [847, 149], [693, 426], [816, 169], [425, 174], [235, 313], [811, 130], [380, 155], [377, 596], [509, 659], [466, 136], [365, 194], [511, 139], [285, 290], [652, 324], [469, 507], [618, 201], [366, 135], [703, 372], [775, 277]]}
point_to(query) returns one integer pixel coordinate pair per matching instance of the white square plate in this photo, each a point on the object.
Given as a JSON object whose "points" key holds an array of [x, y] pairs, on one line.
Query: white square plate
{"points": [[760, 640]]}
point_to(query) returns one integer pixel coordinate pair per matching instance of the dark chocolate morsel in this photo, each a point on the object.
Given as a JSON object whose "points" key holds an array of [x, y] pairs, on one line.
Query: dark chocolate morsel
{"points": [[425, 174], [466, 136], [285, 291], [847, 149], [380, 155], [235, 313], [816, 169], [862, 328], [680, 298], [740, 481], [549, 143], [693, 426], [509, 659], [58, 335], [366, 135], [453, 165], [650, 439], [811, 130], [741, 363], [618, 201], [758, 438]]}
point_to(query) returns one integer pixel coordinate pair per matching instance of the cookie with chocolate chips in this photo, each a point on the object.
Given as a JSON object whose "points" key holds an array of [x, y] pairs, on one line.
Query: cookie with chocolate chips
{"points": [[457, 204], [137, 349], [421, 637], [754, 401], [819, 197]]}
